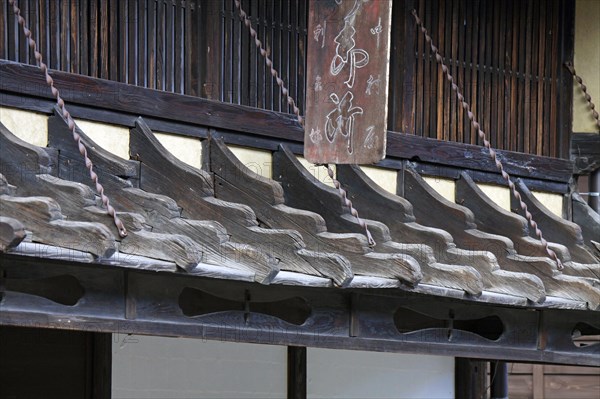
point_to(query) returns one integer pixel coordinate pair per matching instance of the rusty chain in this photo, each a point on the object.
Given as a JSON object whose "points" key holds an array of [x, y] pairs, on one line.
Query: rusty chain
{"points": [[70, 121], [586, 95], [486, 143], [343, 194]]}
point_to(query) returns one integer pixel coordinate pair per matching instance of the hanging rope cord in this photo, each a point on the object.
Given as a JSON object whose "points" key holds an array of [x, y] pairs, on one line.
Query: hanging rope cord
{"points": [[586, 95], [343, 193], [70, 122], [486, 143]]}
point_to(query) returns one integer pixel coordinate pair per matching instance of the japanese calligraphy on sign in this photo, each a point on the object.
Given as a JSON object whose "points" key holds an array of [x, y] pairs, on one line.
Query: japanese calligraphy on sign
{"points": [[347, 81]]}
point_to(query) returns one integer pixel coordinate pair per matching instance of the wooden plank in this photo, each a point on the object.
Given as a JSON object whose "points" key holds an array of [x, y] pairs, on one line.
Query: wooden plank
{"points": [[352, 128], [442, 91], [538, 381], [105, 30], [579, 386], [139, 101], [161, 48], [85, 39], [567, 35], [169, 49]]}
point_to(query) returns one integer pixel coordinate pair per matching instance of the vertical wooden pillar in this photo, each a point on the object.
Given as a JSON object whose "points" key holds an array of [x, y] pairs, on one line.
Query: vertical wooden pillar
{"points": [[499, 380], [296, 381], [469, 378]]}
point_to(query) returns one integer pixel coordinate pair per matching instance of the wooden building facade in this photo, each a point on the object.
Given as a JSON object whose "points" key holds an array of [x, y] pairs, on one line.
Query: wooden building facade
{"points": [[258, 250]]}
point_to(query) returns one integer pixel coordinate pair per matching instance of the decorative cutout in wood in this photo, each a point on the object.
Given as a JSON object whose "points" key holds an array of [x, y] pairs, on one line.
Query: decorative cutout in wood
{"points": [[408, 321], [64, 289], [347, 79], [194, 302]]}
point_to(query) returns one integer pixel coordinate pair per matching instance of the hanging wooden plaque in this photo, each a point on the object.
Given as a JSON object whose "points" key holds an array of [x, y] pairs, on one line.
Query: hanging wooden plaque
{"points": [[347, 81]]}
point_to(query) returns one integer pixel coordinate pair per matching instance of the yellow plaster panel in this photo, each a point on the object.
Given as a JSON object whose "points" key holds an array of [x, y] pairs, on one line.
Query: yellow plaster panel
{"points": [[554, 202], [587, 62], [186, 149], [445, 187], [259, 161], [320, 172], [500, 195], [28, 126], [385, 178], [112, 138]]}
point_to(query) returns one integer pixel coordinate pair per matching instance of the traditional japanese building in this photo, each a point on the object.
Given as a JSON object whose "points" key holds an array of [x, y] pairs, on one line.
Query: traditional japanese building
{"points": [[242, 273]]}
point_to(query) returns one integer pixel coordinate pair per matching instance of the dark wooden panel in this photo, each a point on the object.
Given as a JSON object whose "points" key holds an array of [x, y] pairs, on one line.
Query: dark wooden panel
{"points": [[53, 363]]}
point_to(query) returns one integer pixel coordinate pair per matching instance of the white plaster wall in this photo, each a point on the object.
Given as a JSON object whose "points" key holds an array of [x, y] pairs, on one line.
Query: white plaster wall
{"points": [[175, 368], [355, 374], [178, 368]]}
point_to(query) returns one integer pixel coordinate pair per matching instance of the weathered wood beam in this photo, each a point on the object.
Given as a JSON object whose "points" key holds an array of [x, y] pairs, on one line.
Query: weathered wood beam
{"points": [[12, 232], [585, 152], [303, 190], [42, 216], [588, 220], [168, 236], [432, 210], [514, 226], [557, 229], [236, 182], [132, 101], [158, 171]]}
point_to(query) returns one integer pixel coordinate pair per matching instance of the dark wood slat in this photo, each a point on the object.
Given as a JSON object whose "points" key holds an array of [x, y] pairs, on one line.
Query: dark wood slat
{"points": [[161, 45], [74, 36], [84, 37], [105, 31], [296, 372], [567, 35], [152, 44], [4, 14], [113, 40], [142, 48], [93, 25]]}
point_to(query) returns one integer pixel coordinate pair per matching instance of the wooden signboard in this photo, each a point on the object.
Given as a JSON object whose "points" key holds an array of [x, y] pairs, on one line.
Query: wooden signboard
{"points": [[347, 81]]}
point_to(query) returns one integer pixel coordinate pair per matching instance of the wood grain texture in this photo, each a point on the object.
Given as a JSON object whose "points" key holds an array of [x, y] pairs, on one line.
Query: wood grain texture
{"points": [[347, 99], [42, 216], [432, 210], [557, 229], [304, 191], [588, 220], [203, 241], [271, 210], [12, 232], [513, 226]]}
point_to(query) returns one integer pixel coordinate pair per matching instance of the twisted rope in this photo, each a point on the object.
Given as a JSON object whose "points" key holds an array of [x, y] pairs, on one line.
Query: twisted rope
{"points": [[71, 123], [292, 103], [486, 143], [583, 87]]}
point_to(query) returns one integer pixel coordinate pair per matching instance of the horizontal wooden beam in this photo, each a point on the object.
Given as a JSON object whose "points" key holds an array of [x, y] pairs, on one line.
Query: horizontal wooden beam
{"points": [[585, 152], [127, 301], [24, 86]]}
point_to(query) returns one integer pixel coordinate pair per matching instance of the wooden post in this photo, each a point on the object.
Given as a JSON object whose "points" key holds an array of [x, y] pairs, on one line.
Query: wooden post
{"points": [[296, 384], [469, 378], [499, 380]]}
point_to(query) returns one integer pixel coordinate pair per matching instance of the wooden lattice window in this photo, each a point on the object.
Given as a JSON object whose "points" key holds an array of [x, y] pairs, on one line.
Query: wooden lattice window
{"points": [[507, 56]]}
